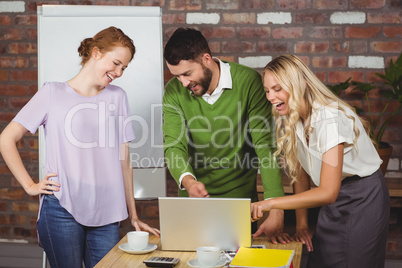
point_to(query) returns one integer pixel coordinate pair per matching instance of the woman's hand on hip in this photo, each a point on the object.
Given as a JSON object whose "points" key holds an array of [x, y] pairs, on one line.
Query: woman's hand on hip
{"points": [[45, 186]]}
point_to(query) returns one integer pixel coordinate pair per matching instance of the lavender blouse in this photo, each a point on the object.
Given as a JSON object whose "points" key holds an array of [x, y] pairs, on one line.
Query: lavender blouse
{"points": [[83, 136]]}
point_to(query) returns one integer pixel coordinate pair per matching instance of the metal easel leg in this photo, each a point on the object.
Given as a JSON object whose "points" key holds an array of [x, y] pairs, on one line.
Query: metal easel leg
{"points": [[44, 260]]}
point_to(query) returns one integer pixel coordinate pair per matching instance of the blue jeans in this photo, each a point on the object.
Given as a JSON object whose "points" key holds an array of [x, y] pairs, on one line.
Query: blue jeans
{"points": [[68, 243]]}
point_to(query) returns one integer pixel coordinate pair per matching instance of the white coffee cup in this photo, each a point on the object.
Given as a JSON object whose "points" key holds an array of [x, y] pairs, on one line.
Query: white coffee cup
{"points": [[137, 240], [208, 256]]}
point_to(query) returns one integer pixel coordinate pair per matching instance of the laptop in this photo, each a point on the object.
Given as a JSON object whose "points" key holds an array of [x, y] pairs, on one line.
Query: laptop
{"points": [[188, 223]]}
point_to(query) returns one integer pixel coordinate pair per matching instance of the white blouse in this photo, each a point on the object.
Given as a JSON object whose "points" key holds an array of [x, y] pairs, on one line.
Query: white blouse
{"points": [[328, 128]]}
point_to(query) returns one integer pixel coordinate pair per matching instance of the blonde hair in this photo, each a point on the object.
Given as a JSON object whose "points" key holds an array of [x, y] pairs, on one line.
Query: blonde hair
{"points": [[301, 84]]}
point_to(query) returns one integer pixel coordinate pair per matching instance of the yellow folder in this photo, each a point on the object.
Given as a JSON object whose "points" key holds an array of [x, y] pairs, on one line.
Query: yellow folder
{"points": [[261, 257]]}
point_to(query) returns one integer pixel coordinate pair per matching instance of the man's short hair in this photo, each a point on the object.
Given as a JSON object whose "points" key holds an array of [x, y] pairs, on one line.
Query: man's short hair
{"points": [[185, 44]]}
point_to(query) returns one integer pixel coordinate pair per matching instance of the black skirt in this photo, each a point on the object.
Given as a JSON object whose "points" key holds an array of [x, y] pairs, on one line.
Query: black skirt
{"points": [[352, 232]]}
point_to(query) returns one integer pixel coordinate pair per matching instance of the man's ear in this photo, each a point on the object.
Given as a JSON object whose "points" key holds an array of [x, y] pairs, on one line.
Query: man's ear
{"points": [[206, 59]]}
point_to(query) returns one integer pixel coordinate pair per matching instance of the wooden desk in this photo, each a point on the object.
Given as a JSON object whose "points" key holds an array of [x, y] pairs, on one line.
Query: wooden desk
{"points": [[120, 259]]}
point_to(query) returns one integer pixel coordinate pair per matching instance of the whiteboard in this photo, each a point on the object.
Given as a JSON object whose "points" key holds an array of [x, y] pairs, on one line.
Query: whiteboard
{"points": [[61, 28]]}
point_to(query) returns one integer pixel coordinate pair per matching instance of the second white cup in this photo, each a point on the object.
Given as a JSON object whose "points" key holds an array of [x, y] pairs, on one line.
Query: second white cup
{"points": [[208, 256], [137, 240]]}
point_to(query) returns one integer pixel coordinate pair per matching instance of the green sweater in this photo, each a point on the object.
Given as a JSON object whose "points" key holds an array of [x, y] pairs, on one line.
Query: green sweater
{"points": [[225, 143]]}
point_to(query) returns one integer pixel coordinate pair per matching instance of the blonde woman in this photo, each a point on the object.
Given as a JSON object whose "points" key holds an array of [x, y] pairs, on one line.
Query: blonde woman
{"points": [[323, 139]]}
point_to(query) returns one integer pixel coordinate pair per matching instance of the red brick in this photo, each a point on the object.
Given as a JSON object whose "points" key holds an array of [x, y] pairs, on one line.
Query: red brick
{"points": [[375, 93], [12, 193], [3, 49], [184, 4], [305, 59], [113, 3], [387, 46], [371, 77], [160, 3], [7, 117], [33, 61], [33, 144], [18, 102], [310, 17], [273, 47], [18, 219], [329, 62], [25, 207], [388, 60], [325, 32], [3, 206], [32, 5], [378, 105], [26, 20], [256, 4], [288, 32], [369, 4], [173, 18], [3, 75], [5, 231], [5, 219], [33, 220], [30, 156], [291, 4], [215, 47], [354, 103], [359, 32], [330, 4], [227, 58], [218, 32], [349, 46], [14, 62], [79, 2], [239, 18], [22, 48], [322, 76], [24, 75], [392, 32], [32, 89], [3, 104], [168, 32], [4, 170], [252, 32], [5, 20], [395, 120], [224, 5], [311, 47], [32, 33], [238, 47], [388, 17], [391, 136], [21, 144], [342, 76], [167, 75], [24, 232]]}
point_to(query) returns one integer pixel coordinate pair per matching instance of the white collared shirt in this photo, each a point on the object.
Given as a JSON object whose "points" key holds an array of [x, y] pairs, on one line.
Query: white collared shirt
{"points": [[225, 81], [328, 128]]}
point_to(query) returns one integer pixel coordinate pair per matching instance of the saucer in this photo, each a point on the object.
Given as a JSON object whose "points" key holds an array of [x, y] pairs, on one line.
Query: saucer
{"points": [[195, 263], [126, 248]]}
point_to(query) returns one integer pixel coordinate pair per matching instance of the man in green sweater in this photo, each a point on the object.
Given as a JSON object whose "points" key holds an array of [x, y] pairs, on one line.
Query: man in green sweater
{"points": [[217, 128]]}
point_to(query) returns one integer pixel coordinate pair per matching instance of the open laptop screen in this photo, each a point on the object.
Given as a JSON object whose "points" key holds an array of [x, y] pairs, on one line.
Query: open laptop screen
{"points": [[187, 223]]}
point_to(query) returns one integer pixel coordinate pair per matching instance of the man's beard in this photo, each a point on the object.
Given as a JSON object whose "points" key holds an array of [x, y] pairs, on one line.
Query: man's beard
{"points": [[204, 82]]}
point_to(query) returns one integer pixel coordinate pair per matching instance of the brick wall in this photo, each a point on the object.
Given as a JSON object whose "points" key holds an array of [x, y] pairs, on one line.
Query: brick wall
{"points": [[338, 39]]}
